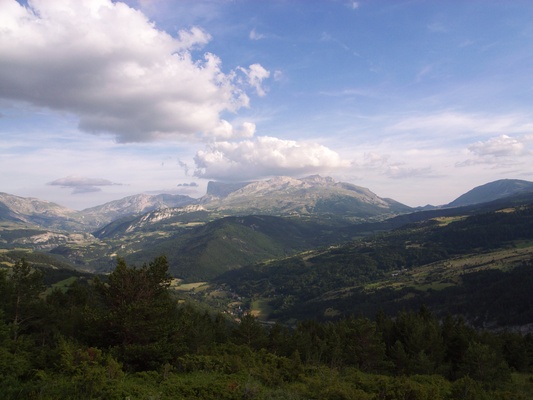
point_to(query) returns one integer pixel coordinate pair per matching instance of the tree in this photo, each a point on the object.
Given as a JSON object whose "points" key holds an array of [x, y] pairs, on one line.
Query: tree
{"points": [[140, 315], [250, 332], [363, 345], [482, 363], [21, 292]]}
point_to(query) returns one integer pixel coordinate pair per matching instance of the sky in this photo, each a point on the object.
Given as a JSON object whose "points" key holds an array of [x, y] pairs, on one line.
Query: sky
{"points": [[419, 101]]}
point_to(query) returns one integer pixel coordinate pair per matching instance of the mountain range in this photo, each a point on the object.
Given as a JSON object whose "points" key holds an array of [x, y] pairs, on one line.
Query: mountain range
{"points": [[282, 196], [294, 249], [233, 225]]}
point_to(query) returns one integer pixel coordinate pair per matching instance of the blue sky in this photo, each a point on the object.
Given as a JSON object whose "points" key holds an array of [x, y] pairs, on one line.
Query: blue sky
{"points": [[419, 101]]}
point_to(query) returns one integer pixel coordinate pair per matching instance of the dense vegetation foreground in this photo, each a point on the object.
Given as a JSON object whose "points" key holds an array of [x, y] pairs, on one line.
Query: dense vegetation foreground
{"points": [[126, 337]]}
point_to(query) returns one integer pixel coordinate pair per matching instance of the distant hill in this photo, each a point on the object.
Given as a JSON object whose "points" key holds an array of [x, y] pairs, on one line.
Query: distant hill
{"points": [[43, 214], [134, 205], [233, 242], [202, 251], [51, 216], [478, 266], [492, 191]]}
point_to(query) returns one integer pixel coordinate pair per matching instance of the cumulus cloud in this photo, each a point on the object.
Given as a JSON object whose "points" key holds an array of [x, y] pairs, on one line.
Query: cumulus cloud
{"points": [[263, 157], [501, 146], [255, 75], [108, 64], [82, 184], [225, 130], [501, 151]]}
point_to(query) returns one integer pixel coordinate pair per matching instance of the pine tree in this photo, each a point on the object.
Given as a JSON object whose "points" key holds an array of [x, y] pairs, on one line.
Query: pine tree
{"points": [[140, 315]]}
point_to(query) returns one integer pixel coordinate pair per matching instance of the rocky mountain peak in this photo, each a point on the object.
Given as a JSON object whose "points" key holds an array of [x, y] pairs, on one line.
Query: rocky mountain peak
{"points": [[318, 180]]}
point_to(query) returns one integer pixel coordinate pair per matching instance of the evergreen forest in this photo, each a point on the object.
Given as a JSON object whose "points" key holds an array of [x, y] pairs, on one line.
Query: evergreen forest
{"points": [[128, 336]]}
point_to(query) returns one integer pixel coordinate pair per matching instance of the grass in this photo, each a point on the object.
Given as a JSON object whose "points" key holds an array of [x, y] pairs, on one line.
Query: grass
{"points": [[62, 285], [195, 286], [443, 221], [446, 273], [261, 309]]}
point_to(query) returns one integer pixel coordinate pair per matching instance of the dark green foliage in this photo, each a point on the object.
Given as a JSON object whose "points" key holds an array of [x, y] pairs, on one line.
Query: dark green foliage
{"points": [[20, 297], [337, 278], [250, 332], [232, 242], [139, 315], [127, 337]]}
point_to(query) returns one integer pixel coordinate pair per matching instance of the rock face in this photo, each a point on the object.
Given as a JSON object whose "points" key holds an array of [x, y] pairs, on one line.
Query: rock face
{"points": [[280, 196], [47, 215], [313, 195], [40, 213], [50, 240], [492, 191], [136, 204]]}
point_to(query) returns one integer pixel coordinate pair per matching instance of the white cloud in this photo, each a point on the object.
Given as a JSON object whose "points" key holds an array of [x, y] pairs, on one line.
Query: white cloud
{"points": [[255, 75], [400, 171], [82, 184], [498, 152], [225, 130], [374, 160], [501, 146], [278, 75], [381, 164], [263, 157], [109, 65]]}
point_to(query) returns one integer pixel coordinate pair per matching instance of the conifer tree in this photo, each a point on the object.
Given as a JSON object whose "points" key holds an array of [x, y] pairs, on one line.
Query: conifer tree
{"points": [[140, 315]]}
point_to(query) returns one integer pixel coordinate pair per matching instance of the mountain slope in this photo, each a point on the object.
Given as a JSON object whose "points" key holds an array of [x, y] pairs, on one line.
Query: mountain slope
{"points": [[492, 191], [43, 214], [134, 205], [308, 198], [51, 216], [217, 190], [447, 263], [311, 196], [233, 242]]}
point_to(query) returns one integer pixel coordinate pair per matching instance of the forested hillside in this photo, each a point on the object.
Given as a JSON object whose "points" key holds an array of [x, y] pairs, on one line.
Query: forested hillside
{"points": [[431, 305], [129, 336], [452, 264]]}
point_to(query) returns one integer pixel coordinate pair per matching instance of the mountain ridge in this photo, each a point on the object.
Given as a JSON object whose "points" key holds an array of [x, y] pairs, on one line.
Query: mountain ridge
{"points": [[492, 191], [312, 196], [305, 196]]}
